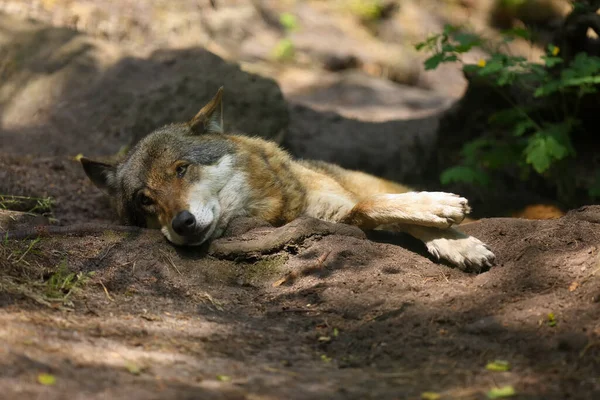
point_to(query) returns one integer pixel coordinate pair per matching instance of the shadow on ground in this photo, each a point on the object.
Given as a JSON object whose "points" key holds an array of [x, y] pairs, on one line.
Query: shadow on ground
{"points": [[369, 320]]}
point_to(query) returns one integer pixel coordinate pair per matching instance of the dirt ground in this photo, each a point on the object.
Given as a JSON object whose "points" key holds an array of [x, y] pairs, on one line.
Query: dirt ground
{"points": [[307, 311]]}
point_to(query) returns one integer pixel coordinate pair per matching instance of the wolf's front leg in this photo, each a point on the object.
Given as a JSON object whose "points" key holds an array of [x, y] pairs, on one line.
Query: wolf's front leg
{"points": [[458, 248], [433, 209]]}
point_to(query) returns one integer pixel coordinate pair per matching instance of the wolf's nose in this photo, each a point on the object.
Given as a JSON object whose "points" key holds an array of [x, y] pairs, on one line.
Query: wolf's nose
{"points": [[184, 223]]}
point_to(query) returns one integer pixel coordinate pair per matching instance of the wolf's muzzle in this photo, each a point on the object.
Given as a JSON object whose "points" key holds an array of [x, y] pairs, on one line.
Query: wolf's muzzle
{"points": [[184, 223], [187, 226]]}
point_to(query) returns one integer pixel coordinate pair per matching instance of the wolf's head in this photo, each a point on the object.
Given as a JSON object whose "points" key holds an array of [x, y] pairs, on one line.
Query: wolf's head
{"points": [[173, 178]]}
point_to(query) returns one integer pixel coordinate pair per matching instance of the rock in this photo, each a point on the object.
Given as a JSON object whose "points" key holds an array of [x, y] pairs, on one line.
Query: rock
{"points": [[77, 94], [397, 149]]}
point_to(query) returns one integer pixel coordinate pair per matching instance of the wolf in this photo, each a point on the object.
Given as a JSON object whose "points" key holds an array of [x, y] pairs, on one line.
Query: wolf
{"points": [[191, 179]]}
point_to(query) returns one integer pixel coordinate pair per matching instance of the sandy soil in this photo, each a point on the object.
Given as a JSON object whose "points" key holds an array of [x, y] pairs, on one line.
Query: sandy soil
{"points": [[327, 313]]}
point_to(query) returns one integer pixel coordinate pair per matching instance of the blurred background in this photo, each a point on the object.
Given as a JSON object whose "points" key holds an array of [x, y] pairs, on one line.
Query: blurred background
{"points": [[338, 80]]}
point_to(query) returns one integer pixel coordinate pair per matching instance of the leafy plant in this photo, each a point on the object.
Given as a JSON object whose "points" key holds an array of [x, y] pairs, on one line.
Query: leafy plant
{"points": [[530, 141], [28, 204], [285, 49], [63, 283], [288, 21]]}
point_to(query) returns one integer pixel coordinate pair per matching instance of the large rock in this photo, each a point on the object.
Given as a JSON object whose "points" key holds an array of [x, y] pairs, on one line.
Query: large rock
{"points": [[396, 149], [63, 92]]}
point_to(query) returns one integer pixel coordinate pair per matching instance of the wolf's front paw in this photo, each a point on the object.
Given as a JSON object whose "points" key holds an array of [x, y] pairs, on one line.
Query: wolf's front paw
{"points": [[467, 253], [446, 209]]}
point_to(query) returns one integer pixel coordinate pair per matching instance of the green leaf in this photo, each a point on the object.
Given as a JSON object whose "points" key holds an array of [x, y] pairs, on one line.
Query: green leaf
{"points": [[464, 174], [223, 378], [433, 61], [46, 379], [538, 69], [450, 29], [491, 67], [585, 65], [583, 71], [498, 366], [555, 86], [430, 396], [284, 50], [289, 21], [514, 60], [325, 358], [470, 150], [551, 319], [508, 117], [522, 127], [448, 48], [466, 41], [507, 77], [517, 32], [547, 89], [584, 80], [133, 368], [501, 155], [551, 61], [501, 392], [429, 43], [470, 68], [542, 150]]}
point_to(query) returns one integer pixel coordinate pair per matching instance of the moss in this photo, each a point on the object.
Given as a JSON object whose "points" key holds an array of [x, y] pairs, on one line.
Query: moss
{"points": [[263, 269]]}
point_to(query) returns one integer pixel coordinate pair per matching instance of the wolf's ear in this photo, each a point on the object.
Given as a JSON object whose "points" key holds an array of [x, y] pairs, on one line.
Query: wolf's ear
{"points": [[210, 118], [101, 174]]}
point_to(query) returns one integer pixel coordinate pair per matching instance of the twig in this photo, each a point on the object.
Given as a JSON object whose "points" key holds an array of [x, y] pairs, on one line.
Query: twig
{"points": [[587, 347], [170, 261], [316, 266], [444, 276], [77, 230], [106, 253], [26, 251], [106, 291], [212, 301]]}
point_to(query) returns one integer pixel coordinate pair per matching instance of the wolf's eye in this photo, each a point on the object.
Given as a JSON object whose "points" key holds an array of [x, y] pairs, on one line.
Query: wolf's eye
{"points": [[145, 200], [181, 170]]}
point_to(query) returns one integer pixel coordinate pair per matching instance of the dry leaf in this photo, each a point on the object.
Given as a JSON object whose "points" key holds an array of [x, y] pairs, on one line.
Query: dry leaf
{"points": [[501, 392], [46, 379]]}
